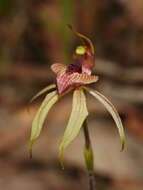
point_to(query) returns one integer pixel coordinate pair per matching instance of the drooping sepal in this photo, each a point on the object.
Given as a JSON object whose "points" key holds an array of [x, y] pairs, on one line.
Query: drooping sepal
{"points": [[44, 90], [112, 110], [40, 116], [77, 117]]}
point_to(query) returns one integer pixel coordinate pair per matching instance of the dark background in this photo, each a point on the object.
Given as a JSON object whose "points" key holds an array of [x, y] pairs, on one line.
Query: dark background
{"points": [[34, 35]]}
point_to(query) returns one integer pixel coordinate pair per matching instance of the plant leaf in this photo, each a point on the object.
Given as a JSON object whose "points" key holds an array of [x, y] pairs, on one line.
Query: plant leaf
{"points": [[112, 110], [77, 117], [40, 116]]}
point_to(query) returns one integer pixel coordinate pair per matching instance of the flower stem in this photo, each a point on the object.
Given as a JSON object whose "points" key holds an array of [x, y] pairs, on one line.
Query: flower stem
{"points": [[88, 155]]}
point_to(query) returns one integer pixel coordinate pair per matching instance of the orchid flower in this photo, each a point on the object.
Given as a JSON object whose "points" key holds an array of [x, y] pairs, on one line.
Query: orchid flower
{"points": [[74, 78]]}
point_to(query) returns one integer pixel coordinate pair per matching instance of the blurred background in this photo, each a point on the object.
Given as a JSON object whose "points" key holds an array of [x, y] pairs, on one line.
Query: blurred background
{"points": [[34, 35]]}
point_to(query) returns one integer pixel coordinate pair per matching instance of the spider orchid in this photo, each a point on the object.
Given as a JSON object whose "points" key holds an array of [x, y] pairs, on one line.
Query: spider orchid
{"points": [[73, 77]]}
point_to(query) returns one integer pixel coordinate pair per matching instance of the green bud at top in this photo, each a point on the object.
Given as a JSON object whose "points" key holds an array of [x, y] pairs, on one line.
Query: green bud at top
{"points": [[80, 50]]}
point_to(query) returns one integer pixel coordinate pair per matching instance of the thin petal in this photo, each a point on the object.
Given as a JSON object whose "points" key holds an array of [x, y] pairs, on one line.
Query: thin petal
{"points": [[77, 117], [58, 69], [85, 40], [52, 86], [112, 110], [40, 116], [83, 78]]}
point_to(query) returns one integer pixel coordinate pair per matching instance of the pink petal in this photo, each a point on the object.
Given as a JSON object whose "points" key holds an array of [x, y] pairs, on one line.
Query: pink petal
{"points": [[58, 69], [88, 63], [77, 78], [63, 83], [73, 80]]}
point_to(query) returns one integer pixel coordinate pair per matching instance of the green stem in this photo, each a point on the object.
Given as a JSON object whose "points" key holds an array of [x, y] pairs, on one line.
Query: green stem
{"points": [[88, 155]]}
